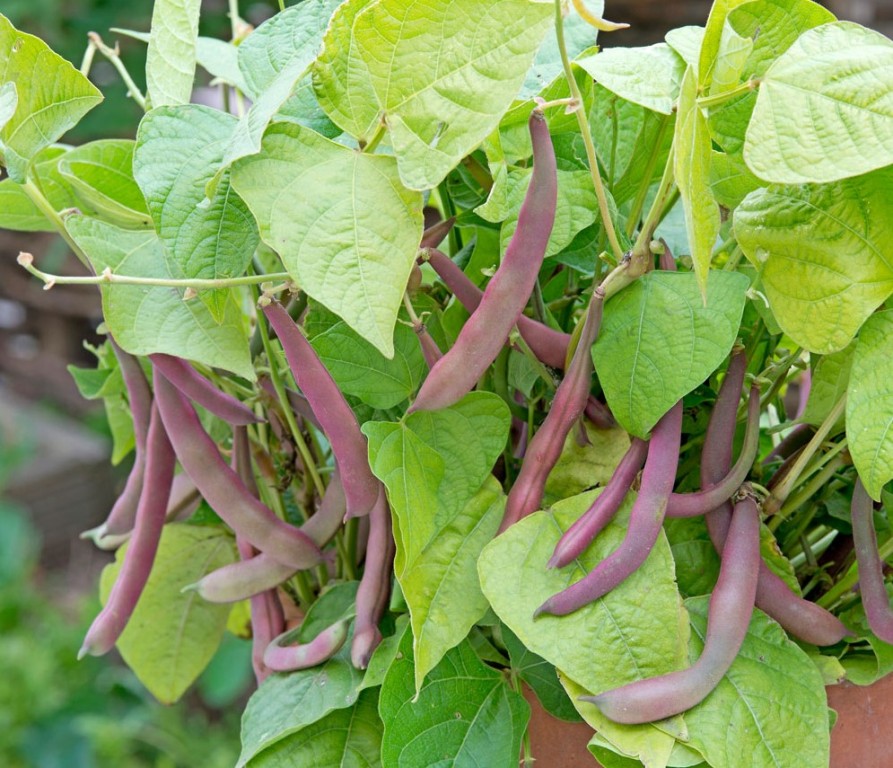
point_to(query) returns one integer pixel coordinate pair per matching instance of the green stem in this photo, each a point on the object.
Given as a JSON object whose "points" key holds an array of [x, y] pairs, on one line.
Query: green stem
{"points": [[789, 482], [370, 146], [480, 174], [639, 202], [582, 122], [641, 248], [26, 260], [707, 102], [234, 18], [36, 195], [306, 457], [112, 55], [87, 61], [807, 491]]}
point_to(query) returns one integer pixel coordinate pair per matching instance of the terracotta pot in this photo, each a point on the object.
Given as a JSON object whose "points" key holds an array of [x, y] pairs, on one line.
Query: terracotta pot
{"points": [[861, 737]]}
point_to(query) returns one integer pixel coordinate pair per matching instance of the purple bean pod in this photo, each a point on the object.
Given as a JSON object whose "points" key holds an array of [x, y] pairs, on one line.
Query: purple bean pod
{"points": [[118, 525], [223, 489], [801, 618], [296, 400], [488, 328], [198, 389], [429, 347], [871, 567], [546, 445], [242, 579], [325, 522], [140, 556], [434, 235], [599, 414], [728, 617], [375, 585], [791, 443], [550, 346], [584, 530], [338, 422], [645, 521], [281, 657], [704, 501]]}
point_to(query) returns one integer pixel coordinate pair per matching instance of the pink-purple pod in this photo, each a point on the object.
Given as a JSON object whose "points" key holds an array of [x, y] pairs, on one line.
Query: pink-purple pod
{"points": [[871, 568], [198, 389], [119, 523], [242, 579], [430, 350], [338, 422], [594, 520], [791, 442], [708, 499], [323, 524], [296, 400], [434, 235], [223, 489], [549, 346], [507, 293], [645, 521], [728, 617], [267, 623], [140, 555], [546, 445], [802, 618], [599, 413], [375, 585], [282, 657]]}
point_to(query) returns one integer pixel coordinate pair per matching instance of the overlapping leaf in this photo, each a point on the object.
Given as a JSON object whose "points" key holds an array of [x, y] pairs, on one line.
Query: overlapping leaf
{"points": [[170, 58]]}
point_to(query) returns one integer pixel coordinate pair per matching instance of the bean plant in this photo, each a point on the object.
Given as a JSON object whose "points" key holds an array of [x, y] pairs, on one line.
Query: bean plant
{"points": [[460, 358]]}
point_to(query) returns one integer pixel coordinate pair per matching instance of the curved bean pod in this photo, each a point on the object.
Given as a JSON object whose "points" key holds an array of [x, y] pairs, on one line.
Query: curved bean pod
{"points": [[599, 414], [223, 489], [280, 657], [375, 585], [338, 422], [545, 447], [581, 534], [325, 522], [702, 502], [507, 293], [198, 389], [118, 525], [140, 556], [802, 618], [549, 345], [731, 607], [645, 521], [242, 579], [871, 568]]}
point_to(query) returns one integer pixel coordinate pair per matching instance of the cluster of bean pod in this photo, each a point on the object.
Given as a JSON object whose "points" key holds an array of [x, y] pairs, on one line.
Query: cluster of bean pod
{"points": [[167, 429]]}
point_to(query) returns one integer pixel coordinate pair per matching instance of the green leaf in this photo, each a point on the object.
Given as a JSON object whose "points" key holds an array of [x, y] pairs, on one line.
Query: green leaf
{"points": [[577, 207], [697, 564], [410, 65], [788, 731], [147, 319], [869, 407], [686, 41], [541, 676], [221, 60], [101, 173], [823, 255], [637, 630], [17, 212], [433, 463], [830, 379], [52, 97], [361, 370], [710, 44], [582, 466], [465, 715], [648, 76], [9, 100], [346, 229], [812, 125], [868, 666], [346, 738], [730, 180], [692, 155], [286, 704], [177, 152], [734, 50], [170, 59], [172, 635], [658, 341], [441, 586]]}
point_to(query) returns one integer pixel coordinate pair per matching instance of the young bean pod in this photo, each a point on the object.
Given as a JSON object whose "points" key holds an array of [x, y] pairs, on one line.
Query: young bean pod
{"points": [[728, 617], [871, 567], [198, 389], [281, 657], [545, 447], [584, 530], [507, 293], [645, 521], [338, 422], [140, 556], [223, 489], [242, 579]]}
